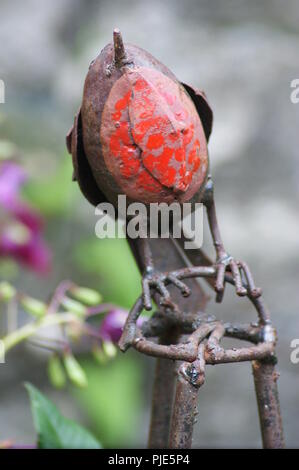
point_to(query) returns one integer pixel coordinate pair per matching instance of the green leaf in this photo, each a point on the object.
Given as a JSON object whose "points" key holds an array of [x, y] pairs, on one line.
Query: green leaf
{"points": [[54, 431]]}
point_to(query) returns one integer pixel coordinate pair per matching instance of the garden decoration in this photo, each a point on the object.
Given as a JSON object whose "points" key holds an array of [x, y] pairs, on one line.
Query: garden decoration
{"points": [[141, 133]]}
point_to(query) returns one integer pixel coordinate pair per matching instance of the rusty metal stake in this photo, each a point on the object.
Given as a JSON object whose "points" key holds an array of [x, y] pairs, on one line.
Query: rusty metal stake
{"points": [[184, 413], [190, 379], [163, 393], [265, 380], [165, 372], [162, 401]]}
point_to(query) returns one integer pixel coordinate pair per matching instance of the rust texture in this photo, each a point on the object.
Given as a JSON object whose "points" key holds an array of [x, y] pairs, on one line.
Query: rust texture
{"points": [[142, 133], [190, 379], [165, 370], [265, 380], [162, 397], [162, 401], [199, 346], [184, 415]]}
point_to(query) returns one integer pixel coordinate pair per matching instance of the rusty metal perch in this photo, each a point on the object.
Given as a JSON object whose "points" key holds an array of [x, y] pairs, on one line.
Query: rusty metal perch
{"points": [[186, 343]]}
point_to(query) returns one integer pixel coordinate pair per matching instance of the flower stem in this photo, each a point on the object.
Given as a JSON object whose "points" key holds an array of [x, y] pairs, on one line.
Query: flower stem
{"points": [[28, 330]]}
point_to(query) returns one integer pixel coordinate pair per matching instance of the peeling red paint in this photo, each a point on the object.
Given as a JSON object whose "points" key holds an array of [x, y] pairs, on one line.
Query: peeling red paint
{"points": [[151, 136], [155, 141]]}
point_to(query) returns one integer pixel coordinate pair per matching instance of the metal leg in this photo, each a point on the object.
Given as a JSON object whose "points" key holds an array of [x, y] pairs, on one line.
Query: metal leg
{"points": [[265, 380]]}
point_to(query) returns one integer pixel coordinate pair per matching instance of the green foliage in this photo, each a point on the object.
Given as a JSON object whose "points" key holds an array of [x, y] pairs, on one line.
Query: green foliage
{"points": [[54, 431], [113, 262], [52, 194], [99, 355], [112, 399]]}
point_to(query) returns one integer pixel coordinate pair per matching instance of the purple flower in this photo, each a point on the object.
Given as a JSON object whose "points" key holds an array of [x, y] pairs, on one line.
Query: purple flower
{"points": [[20, 224], [112, 325]]}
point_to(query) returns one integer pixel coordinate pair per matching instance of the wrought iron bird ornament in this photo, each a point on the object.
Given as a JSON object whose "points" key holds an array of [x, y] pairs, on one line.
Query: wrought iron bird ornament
{"points": [[142, 133]]}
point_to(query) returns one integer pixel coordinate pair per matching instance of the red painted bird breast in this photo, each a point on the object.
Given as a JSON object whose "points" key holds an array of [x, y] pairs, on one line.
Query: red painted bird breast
{"points": [[152, 137], [139, 131]]}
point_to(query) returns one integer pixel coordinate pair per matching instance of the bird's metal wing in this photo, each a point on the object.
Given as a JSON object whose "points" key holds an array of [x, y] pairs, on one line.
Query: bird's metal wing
{"points": [[82, 171]]}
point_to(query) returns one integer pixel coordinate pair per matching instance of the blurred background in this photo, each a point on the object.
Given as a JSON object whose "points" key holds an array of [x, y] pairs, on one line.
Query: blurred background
{"points": [[244, 55]]}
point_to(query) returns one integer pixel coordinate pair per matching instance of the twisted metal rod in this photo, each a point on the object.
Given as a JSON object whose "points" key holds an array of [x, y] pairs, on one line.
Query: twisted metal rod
{"points": [[202, 347]]}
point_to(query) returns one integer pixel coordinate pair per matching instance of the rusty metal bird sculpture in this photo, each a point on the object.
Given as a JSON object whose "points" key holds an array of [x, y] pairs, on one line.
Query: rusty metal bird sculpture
{"points": [[142, 133]]}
